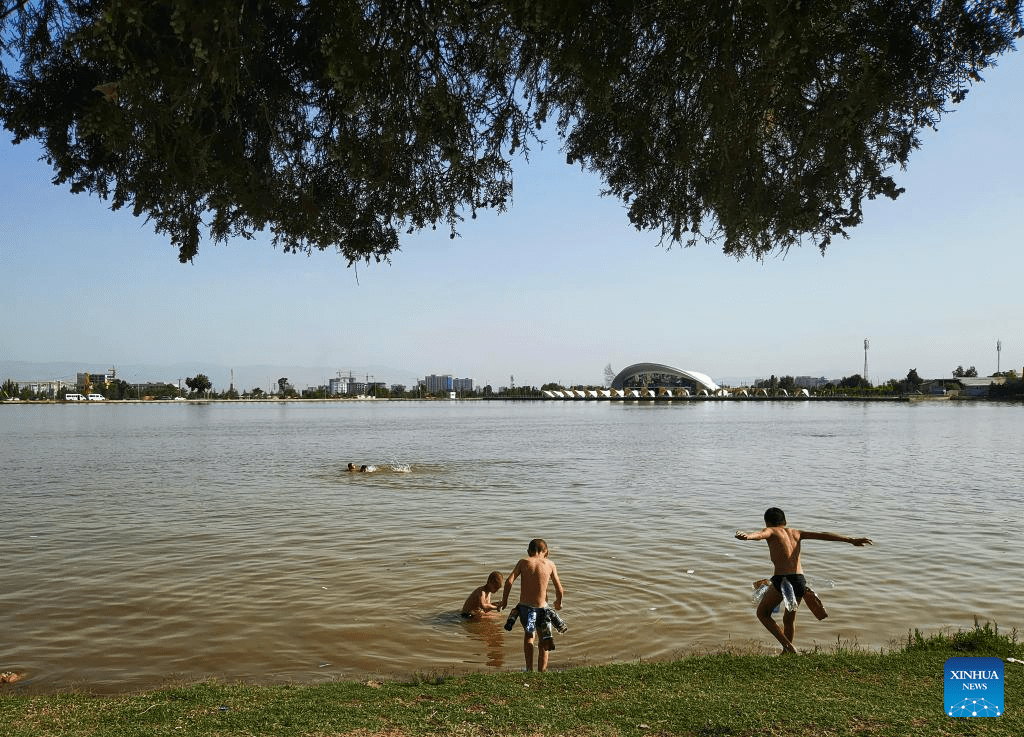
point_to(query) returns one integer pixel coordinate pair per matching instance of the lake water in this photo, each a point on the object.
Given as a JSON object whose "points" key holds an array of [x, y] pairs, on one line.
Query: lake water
{"points": [[155, 543]]}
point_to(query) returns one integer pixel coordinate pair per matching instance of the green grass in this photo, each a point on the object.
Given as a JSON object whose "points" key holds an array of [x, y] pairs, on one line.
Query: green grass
{"points": [[842, 692]]}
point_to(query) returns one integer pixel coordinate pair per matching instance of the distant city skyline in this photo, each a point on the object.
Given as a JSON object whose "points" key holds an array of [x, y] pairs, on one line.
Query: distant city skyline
{"points": [[266, 377], [553, 290]]}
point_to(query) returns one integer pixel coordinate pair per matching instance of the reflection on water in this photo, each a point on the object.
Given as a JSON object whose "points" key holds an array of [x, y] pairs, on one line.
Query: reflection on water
{"points": [[148, 543], [487, 640]]}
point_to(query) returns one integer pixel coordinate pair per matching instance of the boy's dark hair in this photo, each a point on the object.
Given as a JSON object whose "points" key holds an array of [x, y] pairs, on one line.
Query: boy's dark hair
{"points": [[537, 546], [774, 517], [495, 579]]}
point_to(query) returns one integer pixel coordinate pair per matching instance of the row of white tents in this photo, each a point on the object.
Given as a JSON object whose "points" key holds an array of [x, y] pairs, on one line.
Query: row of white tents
{"points": [[660, 393]]}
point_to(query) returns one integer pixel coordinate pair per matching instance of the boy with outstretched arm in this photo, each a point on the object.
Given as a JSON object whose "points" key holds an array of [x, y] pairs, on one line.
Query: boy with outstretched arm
{"points": [[534, 573], [784, 549]]}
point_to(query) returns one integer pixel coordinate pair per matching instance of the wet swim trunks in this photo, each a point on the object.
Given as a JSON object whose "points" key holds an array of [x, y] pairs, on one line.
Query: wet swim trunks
{"points": [[530, 616], [535, 619], [556, 621], [796, 580]]}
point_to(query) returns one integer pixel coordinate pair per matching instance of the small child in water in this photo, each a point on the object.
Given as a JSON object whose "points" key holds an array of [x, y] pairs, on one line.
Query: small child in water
{"points": [[479, 602]]}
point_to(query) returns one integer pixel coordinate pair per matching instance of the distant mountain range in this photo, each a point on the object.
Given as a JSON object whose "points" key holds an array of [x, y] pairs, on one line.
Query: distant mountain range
{"points": [[246, 377]]}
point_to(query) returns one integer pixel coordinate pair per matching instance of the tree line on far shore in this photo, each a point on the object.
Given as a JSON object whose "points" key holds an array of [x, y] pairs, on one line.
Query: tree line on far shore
{"points": [[201, 387]]}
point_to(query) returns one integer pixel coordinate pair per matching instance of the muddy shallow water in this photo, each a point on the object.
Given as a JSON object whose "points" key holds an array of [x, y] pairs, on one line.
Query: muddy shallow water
{"points": [[155, 543]]}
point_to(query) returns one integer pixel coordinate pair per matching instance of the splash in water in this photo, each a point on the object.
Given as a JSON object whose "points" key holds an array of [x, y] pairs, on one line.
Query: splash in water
{"points": [[386, 468]]}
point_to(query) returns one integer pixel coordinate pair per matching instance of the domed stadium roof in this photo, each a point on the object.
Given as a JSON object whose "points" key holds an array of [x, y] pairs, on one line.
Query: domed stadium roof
{"points": [[660, 375]]}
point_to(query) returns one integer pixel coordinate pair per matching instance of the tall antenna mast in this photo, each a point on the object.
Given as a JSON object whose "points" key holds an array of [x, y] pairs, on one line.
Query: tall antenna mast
{"points": [[999, 349], [866, 346]]}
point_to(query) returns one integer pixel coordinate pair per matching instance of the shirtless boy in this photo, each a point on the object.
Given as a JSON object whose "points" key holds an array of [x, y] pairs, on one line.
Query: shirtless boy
{"points": [[534, 572], [479, 601], [784, 549]]}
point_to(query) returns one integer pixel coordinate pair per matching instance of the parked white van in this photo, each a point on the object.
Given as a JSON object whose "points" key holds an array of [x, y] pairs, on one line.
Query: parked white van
{"points": [[74, 398], [96, 397]]}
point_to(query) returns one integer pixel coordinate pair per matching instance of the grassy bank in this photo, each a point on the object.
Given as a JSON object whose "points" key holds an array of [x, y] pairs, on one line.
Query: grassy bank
{"points": [[836, 693]]}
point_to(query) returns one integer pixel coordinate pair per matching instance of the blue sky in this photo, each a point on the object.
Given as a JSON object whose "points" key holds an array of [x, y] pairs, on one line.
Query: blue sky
{"points": [[553, 290]]}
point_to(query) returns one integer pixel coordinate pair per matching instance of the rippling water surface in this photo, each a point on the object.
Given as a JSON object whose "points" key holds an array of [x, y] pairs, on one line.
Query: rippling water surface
{"points": [[151, 543]]}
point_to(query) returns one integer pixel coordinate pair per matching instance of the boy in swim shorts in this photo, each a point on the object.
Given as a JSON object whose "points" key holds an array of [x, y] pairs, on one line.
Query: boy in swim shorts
{"points": [[535, 573], [479, 602], [784, 550]]}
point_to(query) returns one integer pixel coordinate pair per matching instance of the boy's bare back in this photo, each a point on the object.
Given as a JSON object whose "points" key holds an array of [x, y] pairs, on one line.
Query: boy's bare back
{"points": [[535, 573], [479, 600], [784, 550]]}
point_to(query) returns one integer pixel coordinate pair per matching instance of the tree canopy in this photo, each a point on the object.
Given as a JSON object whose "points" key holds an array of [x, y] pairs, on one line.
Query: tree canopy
{"points": [[199, 383], [753, 124]]}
